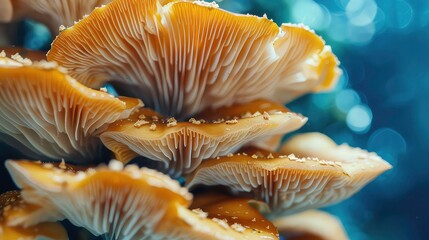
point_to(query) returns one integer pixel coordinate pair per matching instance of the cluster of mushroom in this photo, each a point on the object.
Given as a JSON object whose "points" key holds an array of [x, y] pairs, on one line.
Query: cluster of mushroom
{"points": [[214, 86]]}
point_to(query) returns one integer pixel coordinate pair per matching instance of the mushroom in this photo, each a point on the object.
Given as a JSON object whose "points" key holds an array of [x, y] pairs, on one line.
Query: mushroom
{"points": [[182, 146], [11, 207], [238, 213], [118, 202], [287, 183], [124, 203], [311, 224], [183, 57], [53, 13], [266, 108], [45, 113]]}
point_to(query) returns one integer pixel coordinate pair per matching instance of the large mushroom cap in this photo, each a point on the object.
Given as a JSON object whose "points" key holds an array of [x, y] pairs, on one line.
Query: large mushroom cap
{"points": [[53, 13], [119, 202], [124, 203], [311, 224], [183, 57], [46, 113], [289, 183], [182, 146], [11, 206]]}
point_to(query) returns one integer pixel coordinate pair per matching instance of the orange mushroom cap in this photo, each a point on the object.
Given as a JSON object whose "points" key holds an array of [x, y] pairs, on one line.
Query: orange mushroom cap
{"points": [[11, 207], [119, 202], [46, 113], [53, 13], [182, 146], [288, 183], [238, 213], [183, 57]]}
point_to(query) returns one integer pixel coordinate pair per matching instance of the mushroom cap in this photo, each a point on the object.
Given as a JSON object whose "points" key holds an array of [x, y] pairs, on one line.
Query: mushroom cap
{"points": [[12, 206], [266, 107], [182, 223], [121, 202], [183, 57], [311, 224], [182, 146], [238, 213], [46, 113], [53, 13], [287, 183]]}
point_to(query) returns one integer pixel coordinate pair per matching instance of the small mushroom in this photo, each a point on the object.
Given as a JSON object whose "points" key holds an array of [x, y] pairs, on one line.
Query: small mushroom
{"points": [[288, 183], [186, 56], [11, 207], [239, 213], [118, 202], [46, 113], [53, 13], [182, 146], [311, 224]]}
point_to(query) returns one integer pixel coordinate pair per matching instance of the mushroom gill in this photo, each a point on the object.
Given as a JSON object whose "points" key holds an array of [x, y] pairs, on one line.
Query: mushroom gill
{"points": [[53, 13], [184, 57], [287, 183], [182, 146], [311, 224], [11, 207], [47, 114], [119, 202]]}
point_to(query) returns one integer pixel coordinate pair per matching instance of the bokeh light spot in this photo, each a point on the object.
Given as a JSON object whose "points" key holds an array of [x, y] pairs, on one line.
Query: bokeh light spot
{"points": [[311, 14], [402, 14], [359, 119], [346, 99], [361, 12], [388, 143]]}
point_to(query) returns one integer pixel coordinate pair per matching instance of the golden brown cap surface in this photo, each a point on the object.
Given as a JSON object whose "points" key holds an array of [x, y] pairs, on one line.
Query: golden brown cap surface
{"points": [[238, 213], [12, 207]]}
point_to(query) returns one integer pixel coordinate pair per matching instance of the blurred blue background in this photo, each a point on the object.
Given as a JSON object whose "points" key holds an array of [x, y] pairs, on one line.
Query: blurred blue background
{"points": [[380, 104]]}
